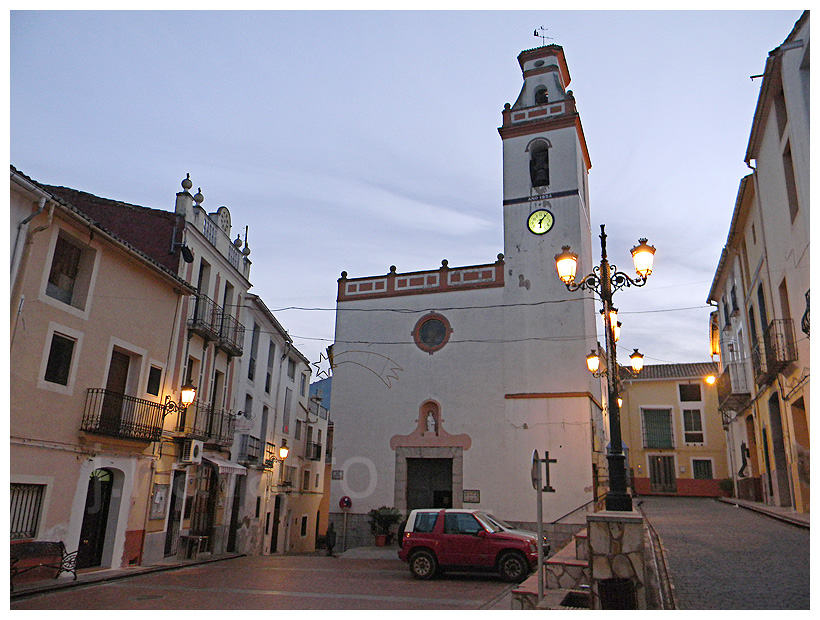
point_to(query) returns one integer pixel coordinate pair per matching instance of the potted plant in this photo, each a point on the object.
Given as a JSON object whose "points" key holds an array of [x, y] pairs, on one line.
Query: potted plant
{"points": [[381, 520]]}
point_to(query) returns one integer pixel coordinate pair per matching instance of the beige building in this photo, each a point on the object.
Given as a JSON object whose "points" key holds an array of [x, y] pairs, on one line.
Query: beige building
{"points": [[278, 500], [94, 331], [672, 430], [760, 329]]}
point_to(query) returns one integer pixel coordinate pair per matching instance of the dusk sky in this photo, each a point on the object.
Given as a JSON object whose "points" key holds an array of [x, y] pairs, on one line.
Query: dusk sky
{"points": [[359, 140]]}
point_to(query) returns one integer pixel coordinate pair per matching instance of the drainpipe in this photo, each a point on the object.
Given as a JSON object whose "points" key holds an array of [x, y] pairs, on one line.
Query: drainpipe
{"points": [[17, 287]]}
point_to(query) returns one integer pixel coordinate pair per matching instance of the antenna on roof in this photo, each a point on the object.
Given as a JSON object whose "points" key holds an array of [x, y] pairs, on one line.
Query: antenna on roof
{"points": [[542, 36]]}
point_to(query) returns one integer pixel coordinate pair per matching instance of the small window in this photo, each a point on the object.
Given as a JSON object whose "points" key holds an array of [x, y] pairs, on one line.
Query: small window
{"points": [[541, 97], [304, 526], [64, 269], [298, 433], [291, 370], [302, 384], [154, 379], [702, 469], [59, 359], [425, 522], [692, 426], [306, 480], [258, 507], [26, 508], [689, 392]]}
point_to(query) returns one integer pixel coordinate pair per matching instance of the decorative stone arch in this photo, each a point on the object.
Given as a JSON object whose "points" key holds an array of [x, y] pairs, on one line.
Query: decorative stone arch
{"points": [[429, 440]]}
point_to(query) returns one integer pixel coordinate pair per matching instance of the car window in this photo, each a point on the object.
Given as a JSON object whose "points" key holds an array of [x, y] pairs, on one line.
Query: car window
{"points": [[496, 524], [425, 522], [461, 523]]}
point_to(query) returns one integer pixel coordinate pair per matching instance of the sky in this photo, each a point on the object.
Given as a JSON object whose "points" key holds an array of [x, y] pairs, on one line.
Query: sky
{"points": [[356, 140]]}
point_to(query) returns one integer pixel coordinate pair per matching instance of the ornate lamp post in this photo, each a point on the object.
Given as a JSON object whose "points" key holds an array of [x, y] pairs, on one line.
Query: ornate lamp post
{"points": [[604, 280], [187, 397]]}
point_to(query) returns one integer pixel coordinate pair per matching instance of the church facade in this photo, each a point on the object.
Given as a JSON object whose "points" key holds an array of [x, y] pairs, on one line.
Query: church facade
{"points": [[445, 381]]}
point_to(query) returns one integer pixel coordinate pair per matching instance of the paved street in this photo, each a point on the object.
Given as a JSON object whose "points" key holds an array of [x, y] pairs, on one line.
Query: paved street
{"points": [[283, 582], [724, 557]]}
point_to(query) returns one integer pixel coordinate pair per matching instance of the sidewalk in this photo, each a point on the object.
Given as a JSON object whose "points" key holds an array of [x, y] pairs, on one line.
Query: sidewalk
{"points": [[66, 580], [789, 515]]}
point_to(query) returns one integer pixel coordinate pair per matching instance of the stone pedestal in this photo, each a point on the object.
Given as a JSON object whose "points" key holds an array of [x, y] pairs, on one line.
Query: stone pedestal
{"points": [[616, 558]]}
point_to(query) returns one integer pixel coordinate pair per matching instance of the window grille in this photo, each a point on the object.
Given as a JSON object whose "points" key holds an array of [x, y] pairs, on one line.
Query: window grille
{"points": [[702, 469], [26, 507], [657, 428]]}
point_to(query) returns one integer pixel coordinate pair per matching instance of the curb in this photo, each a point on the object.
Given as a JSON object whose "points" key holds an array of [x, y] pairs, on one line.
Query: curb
{"points": [[763, 511]]}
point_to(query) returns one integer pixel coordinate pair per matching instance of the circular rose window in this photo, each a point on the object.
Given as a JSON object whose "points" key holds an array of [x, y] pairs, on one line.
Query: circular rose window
{"points": [[432, 332]]}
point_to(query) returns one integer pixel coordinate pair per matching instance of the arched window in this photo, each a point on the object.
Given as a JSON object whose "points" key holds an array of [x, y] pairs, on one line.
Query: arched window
{"points": [[541, 96], [540, 166]]}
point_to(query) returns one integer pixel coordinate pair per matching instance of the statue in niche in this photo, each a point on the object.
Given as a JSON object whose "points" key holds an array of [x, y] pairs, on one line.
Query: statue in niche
{"points": [[431, 422], [540, 168]]}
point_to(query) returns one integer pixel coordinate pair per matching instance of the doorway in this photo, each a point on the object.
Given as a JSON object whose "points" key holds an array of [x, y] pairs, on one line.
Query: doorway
{"points": [[204, 509], [784, 496], [175, 512], [662, 474], [115, 388], [95, 518], [429, 483]]}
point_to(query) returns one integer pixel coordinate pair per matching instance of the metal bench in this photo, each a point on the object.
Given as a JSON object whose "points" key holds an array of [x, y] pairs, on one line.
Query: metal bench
{"points": [[45, 554]]}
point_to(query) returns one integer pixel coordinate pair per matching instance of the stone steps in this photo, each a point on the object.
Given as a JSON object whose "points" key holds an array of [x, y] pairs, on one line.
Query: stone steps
{"points": [[566, 570]]}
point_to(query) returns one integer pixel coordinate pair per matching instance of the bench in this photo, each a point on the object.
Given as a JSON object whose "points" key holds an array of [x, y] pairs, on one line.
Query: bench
{"points": [[31, 555]]}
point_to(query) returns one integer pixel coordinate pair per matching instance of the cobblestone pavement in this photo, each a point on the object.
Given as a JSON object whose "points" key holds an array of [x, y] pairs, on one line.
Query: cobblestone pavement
{"points": [[308, 582], [723, 557]]}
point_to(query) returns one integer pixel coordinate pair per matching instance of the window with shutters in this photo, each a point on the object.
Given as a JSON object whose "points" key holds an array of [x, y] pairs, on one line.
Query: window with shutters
{"points": [[657, 428]]}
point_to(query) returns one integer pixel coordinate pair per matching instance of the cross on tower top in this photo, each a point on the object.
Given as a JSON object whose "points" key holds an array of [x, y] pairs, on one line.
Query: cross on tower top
{"points": [[542, 35]]}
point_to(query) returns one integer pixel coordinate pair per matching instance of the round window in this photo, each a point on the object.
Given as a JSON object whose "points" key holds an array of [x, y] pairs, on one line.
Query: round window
{"points": [[432, 332]]}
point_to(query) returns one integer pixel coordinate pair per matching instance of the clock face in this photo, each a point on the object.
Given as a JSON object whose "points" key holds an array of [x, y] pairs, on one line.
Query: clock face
{"points": [[540, 221]]}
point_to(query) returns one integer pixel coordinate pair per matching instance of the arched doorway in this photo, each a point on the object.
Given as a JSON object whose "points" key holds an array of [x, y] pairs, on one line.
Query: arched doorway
{"points": [[95, 518]]}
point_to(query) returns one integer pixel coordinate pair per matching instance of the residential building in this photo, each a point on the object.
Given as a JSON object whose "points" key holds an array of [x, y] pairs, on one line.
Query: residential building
{"points": [[94, 332], [672, 429], [445, 380], [760, 328], [279, 497]]}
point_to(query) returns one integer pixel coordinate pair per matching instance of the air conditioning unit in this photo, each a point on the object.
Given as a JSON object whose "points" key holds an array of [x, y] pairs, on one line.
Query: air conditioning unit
{"points": [[191, 451]]}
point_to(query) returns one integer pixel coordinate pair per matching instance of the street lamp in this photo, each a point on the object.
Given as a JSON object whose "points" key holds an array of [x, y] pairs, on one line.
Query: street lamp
{"points": [[284, 450], [604, 280], [186, 399]]}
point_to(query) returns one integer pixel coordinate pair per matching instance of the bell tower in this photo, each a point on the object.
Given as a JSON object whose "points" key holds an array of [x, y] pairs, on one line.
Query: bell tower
{"points": [[551, 401], [546, 206]]}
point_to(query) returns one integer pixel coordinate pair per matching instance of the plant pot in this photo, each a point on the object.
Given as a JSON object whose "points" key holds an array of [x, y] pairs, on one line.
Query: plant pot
{"points": [[381, 540]]}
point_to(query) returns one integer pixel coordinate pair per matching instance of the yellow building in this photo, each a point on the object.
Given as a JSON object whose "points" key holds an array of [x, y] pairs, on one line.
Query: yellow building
{"points": [[94, 326], [672, 430]]}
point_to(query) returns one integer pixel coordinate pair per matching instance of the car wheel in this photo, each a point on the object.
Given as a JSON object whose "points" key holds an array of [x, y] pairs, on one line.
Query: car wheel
{"points": [[513, 566], [423, 565]]}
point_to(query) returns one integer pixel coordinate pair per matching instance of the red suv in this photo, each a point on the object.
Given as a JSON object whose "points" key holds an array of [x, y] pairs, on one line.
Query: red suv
{"points": [[435, 540]]}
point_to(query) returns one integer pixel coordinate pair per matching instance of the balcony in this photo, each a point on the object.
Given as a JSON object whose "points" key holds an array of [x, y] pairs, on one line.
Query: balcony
{"points": [[231, 335], [248, 450], [200, 421], [205, 317], [118, 415], [313, 451], [774, 351], [732, 388]]}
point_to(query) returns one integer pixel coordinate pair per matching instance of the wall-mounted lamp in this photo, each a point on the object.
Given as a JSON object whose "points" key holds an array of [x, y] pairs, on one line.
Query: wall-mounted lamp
{"points": [[284, 450], [186, 399]]}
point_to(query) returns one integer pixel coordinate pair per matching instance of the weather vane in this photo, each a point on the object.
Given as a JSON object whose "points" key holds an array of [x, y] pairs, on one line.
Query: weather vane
{"points": [[542, 35]]}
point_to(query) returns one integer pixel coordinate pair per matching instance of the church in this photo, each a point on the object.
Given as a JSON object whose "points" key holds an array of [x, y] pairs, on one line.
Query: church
{"points": [[445, 381]]}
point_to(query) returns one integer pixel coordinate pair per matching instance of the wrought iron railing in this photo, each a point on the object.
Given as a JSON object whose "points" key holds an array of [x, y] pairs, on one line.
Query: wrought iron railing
{"points": [[774, 351], [204, 318], [231, 334], [201, 421], [118, 415], [733, 388]]}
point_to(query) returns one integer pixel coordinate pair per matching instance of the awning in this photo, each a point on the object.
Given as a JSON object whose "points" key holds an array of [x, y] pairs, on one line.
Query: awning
{"points": [[225, 467]]}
